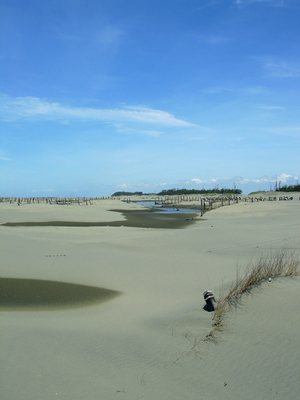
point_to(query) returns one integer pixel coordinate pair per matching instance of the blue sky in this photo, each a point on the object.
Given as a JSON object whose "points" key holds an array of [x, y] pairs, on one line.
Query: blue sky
{"points": [[145, 95]]}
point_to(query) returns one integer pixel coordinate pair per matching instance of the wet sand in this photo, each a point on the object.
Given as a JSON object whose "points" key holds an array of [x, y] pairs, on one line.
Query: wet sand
{"points": [[140, 335], [133, 219]]}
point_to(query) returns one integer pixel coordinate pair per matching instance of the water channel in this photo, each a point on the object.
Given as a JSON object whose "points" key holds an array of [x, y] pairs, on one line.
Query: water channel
{"points": [[164, 209]]}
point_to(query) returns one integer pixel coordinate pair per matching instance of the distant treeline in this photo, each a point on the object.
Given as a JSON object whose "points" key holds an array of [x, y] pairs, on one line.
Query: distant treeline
{"points": [[290, 188], [127, 194], [179, 192]]}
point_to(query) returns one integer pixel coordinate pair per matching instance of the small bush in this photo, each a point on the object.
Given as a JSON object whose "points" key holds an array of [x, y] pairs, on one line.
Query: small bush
{"points": [[281, 264]]}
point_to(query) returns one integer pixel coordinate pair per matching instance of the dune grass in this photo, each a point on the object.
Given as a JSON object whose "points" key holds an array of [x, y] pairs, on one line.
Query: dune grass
{"points": [[281, 264]]}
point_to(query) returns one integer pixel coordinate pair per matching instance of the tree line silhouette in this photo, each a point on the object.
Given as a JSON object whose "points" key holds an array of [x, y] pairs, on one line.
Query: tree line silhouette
{"points": [[182, 192]]}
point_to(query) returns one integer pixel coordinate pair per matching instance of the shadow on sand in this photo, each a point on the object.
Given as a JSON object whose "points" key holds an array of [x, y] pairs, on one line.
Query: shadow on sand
{"points": [[133, 218], [40, 295]]}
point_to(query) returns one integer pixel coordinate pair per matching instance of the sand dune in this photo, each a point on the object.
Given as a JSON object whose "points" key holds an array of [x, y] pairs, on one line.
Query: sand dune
{"points": [[147, 341]]}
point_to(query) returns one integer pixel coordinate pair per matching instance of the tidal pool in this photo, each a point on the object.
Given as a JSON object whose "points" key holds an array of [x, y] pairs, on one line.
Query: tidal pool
{"points": [[157, 206]]}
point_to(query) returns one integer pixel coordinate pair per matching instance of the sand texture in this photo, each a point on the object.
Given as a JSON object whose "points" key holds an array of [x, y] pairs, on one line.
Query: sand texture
{"points": [[102, 304]]}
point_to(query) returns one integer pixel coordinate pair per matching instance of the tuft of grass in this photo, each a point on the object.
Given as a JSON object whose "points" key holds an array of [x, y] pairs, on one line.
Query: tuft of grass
{"points": [[281, 264]]}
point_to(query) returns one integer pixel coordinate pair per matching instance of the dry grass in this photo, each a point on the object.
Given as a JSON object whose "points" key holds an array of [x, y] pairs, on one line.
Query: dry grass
{"points": [[281, 264]]}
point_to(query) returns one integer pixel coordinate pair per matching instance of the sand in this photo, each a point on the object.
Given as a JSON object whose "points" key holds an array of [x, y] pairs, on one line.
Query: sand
{"points": [[139, 333]]}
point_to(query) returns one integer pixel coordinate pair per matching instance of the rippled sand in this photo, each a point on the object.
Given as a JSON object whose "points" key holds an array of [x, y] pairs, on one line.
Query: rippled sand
{"points": [[116, 310]]}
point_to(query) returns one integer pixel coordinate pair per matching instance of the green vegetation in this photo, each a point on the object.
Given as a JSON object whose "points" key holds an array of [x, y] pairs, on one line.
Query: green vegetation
{"points": [[260, 191], [182, 192], [281, 264], [290, 188], [279, 188], [179, 192], [127, 194]]}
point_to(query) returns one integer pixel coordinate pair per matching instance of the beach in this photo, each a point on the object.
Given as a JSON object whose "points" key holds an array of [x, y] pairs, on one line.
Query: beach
{"points": [[139, 332]]}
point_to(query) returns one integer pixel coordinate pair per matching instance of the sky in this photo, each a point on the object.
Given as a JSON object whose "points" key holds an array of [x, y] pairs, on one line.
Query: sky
{"points": [[147, 95]]}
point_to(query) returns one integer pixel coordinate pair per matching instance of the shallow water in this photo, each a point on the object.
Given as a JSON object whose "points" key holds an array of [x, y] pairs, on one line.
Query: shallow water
{"points": [[165, 210]]}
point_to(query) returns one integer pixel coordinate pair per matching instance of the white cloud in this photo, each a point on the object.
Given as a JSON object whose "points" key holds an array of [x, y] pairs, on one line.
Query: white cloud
{"points": [[123, 186], [260, 180], [283, 178], [282, 69], [263, 107], [35, 108], [248, 184], [200, 181], [5, 159], [197, 181], [121, 128]]}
